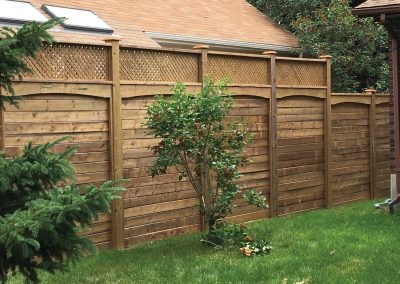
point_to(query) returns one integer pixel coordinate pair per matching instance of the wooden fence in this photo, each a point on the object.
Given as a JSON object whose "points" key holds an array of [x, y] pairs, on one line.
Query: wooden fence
{"points": [[312, 149]]}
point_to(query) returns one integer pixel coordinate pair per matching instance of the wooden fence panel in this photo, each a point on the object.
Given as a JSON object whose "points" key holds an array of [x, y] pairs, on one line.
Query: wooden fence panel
{"points": [[70, 62], [300, 154], [163, 206], [239, 70], [158, 66], [44, 118], [256, 174], [300, 73], [154, 208], [350, 152], [382, 147]]}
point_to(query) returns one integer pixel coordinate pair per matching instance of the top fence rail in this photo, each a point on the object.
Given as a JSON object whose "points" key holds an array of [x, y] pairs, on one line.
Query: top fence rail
{"points": [[78, 62]]}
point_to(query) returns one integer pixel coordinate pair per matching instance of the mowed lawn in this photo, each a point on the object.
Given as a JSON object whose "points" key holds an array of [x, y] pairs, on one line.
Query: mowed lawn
{"points": [[349, 244]]}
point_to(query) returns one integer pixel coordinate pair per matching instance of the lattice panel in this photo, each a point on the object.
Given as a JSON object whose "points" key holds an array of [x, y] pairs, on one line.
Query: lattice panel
{"points": [[240, 70], [145, 65], [300, 73], [70, 62]]}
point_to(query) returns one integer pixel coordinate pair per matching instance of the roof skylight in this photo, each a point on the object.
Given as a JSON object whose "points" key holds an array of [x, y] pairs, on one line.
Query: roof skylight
{"points": [[78, 19], [19, 12]]}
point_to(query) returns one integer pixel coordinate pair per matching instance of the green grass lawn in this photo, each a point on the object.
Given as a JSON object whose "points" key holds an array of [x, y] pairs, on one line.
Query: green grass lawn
{"points": [[349, 244]]}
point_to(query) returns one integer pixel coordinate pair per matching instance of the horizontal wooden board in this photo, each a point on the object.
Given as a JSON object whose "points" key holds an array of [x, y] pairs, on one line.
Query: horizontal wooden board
{"points": [[160, 207], [258, 215], [315, 204], [164, 206], [161, 235], [160, 217], [160, 226], [58, 104]]}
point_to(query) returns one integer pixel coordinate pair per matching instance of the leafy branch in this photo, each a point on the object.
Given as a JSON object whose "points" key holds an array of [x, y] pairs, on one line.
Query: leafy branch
{"points": [[203, 146], [15, 46]]}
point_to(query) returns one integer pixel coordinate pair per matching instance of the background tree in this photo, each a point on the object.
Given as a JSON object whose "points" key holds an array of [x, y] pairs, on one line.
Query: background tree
{"points": [[358, 45], [41, 216], [205, 148]]}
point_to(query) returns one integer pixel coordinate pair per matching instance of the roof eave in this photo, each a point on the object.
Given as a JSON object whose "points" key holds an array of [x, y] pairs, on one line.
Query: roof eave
{"points": [[173, 38], [377, 10]]}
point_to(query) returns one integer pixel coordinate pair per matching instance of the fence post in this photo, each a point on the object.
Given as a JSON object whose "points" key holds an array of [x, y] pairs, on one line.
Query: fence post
{"points": [[328, 132], [2, 129], [203, 62], [117, 207], [372, 153], [273, 138]]}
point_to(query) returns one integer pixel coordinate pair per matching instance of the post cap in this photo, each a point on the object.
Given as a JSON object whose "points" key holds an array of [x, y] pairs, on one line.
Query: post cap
{"points": [[325, 57], [112, 38], [201, 47], [270, 53], [370, 91]]}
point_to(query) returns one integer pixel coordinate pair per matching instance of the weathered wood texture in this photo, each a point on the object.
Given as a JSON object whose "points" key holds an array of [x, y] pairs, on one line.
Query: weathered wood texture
{"points": [[154, 208], [116, 169], [300, 154], [145, 65], [239, 69], [300, 73], [70, 91], [382, 150], [44, 118], [71, 62], [256, 175], [2, 130], [350, 153]]}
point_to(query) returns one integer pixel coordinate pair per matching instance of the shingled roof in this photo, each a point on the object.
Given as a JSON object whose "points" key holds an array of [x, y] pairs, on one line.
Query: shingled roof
{"points": [[376, 3], [116, 14], [372, 7], [146, 22], [224, 20]]}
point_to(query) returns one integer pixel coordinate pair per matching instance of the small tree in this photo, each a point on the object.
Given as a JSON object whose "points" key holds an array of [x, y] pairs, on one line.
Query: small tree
{"points": [[205, 148], [41, 216]]}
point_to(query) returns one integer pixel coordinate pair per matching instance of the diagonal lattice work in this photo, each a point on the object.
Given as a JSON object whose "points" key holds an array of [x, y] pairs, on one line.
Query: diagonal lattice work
{"points": [[152, 65], [240, 70], [70, 62], [300, 73]]}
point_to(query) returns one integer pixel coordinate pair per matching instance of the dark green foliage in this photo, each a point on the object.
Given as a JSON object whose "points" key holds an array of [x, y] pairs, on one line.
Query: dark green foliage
{"points": [[358, 46], [284, 12], [15, 45], [39, 220], [203, 146], [24, 177], [225, 234]]}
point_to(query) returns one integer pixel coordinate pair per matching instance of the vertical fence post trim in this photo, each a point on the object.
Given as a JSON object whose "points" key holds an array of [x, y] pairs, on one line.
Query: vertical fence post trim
{"points": [[328, 133], [372, 157], [117, 206], [2, 128], [203, 61], [273, 138], [203, 70]]}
